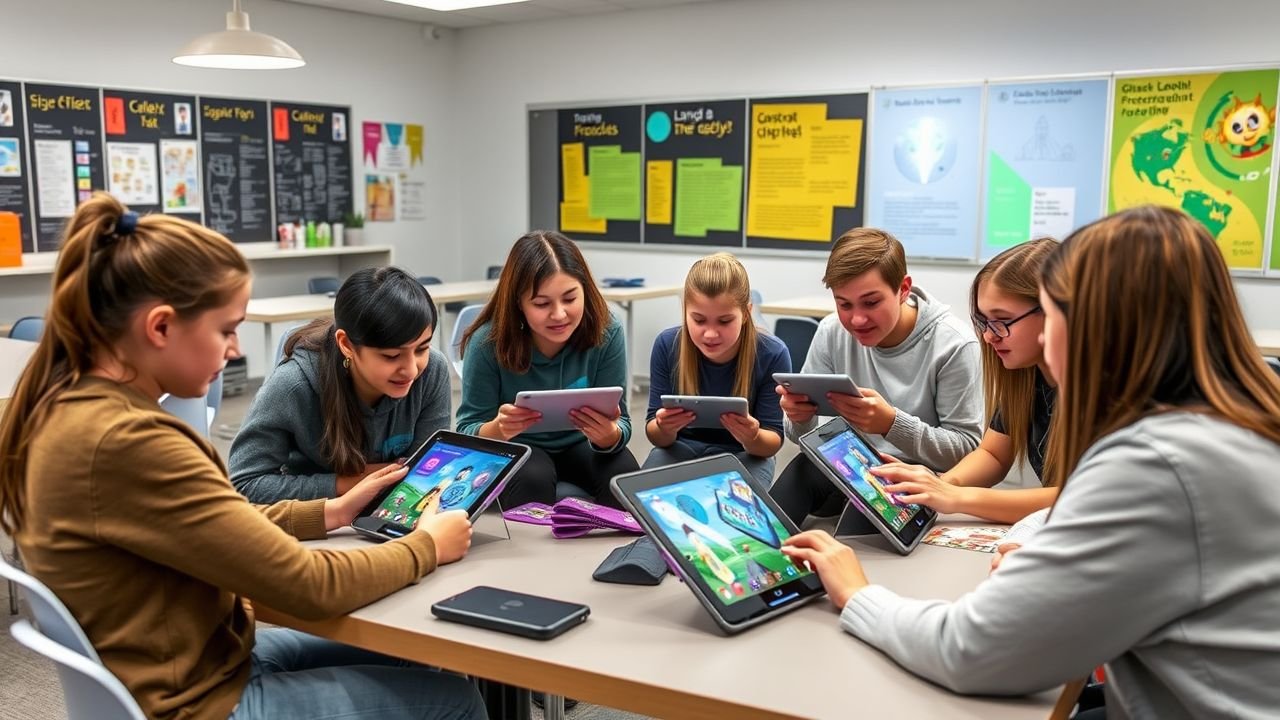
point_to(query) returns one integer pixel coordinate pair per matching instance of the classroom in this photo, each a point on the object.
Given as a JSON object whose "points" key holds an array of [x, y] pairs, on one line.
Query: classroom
{"points": [[502, 312]]}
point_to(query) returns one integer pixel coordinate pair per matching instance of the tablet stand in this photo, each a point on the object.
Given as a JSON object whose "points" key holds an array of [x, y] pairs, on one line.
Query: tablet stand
{"points": [[852, 522], [491, 524]]}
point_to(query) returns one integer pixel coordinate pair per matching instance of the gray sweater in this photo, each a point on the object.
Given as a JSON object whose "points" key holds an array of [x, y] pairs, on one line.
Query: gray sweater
{"points": [[933, 378], [277, 456], [1160, 559]]}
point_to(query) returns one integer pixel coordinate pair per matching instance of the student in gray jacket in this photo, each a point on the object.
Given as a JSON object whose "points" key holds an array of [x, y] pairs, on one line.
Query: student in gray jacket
{"points": [[355, 393], [1160, 557], [917, 364]]}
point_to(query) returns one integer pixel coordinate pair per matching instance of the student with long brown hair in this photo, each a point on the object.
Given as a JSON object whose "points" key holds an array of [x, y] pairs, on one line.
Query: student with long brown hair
{"points": [[1005, 303], [1159, 557], [717, 350], [354, 393], [547, 327], [126, 513]]}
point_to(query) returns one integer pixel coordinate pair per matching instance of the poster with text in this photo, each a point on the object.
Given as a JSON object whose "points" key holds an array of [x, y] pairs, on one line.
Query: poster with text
{"points": [[152, 158], [1045, 145], [924, 168], [694, 158], [234, 137], [394, 150], [804, 186], [1200, 142], [601, 196], [312, 162], [64, 124], [14, 197]]}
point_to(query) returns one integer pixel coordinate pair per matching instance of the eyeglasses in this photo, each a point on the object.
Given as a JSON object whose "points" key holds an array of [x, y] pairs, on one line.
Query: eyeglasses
{"points": [[999, 328]]}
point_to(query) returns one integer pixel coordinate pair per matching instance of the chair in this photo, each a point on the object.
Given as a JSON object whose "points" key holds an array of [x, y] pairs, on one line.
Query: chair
{"points": [[493, 272], [465, 317], [88, 688], [429, 280], [451, 307], [27, 328], [284, 338], [193, 411], [322, 285], [51, 616], [756, 301], [1274, 363], [797, 334]]}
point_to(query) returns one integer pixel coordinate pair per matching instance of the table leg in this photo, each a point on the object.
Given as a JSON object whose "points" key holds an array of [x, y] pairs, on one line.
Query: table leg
{"points": [[629, 338], [504, 702], [268, 352], [553, 707]]}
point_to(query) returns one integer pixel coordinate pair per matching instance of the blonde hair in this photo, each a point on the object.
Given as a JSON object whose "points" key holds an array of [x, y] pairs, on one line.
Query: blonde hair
{"points": [[1015, 272], [111, 263], [1155, 326], [714, 276], [862, 249]]}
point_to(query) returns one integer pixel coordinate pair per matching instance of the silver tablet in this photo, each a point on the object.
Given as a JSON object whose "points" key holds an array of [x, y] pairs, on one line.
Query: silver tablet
{"points": [[816, 386], [707, 408], [556, 404]]}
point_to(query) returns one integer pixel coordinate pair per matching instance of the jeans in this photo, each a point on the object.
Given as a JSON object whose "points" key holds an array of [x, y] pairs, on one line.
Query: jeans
{"points": [[802, 490], [761, 468], [302, 677]]}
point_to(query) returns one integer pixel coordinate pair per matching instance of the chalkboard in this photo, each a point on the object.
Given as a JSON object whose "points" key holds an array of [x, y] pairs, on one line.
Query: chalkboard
{"points": [[234, 142], [13, 159], [64, 126], [153, 159], [311, 150]]}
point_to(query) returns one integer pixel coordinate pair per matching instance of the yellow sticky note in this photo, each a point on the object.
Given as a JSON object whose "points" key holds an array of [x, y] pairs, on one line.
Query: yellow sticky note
{"points": [[573, 168], [657, 210], [574, 217], [84, 184]]}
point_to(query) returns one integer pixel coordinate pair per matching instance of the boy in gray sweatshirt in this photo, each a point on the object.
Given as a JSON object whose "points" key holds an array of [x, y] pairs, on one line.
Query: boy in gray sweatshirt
{"points": [[917, 364]]}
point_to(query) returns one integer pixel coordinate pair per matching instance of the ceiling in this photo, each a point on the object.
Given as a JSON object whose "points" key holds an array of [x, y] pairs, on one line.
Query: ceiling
{"points": [[493, 15]]}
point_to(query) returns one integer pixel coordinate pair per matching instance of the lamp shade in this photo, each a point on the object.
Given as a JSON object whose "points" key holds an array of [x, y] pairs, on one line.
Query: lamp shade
{"points": [[239, 48]]}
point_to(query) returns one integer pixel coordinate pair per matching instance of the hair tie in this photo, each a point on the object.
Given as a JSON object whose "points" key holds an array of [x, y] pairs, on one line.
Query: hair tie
{"points": [[127, 223]]}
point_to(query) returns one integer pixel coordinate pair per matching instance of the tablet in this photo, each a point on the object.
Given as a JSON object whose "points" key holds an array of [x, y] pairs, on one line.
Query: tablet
{"points": [[723, 535], [706, 408], [449, 471], [845, 456], [816, 387], [556, 404]]}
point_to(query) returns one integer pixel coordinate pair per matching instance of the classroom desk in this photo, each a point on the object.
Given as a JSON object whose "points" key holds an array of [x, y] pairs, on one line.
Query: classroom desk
{"points": [[1268, 341], [13, 359], [654, 650]]}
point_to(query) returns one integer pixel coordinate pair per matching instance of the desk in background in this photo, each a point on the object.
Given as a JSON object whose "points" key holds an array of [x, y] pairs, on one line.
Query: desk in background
{"points": [[14, 355], [654, 650]]}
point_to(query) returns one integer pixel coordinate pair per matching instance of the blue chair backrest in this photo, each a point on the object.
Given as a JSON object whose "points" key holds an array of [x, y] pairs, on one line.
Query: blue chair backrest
{"points": [[429, 280], [322, 285], [27, 328], [1275, 364], [88, 688], [797, 334], [52, 617], [756, 301], [284, 338], [466, 316], [493, 272], [192, 411]]}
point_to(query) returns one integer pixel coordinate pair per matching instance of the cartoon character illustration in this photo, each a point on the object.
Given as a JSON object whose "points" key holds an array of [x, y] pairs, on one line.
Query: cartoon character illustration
{"points": [[707, 556], [1246, 129], [430, 501]]}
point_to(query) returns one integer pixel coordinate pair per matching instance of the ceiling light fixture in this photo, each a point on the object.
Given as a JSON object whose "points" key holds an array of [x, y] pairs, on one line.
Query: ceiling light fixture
{"points": [[447, 5], [239, 48]]}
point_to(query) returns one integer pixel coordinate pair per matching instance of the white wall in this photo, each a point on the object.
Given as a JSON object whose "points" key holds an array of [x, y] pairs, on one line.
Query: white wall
{"points": [[762, 47]]}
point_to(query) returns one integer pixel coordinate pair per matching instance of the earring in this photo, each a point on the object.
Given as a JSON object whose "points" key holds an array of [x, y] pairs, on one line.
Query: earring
{"points": [[346, 362]]}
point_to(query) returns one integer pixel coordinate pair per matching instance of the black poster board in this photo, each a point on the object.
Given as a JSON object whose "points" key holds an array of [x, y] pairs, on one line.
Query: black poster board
{"points": [[153, 159], [14, 165], [234, 143], [64, 127], [311, 148], [695, 157], [613, 129]]}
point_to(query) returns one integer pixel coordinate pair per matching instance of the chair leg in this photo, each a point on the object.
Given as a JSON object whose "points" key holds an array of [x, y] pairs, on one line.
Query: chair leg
{"points": [[13, 598]]}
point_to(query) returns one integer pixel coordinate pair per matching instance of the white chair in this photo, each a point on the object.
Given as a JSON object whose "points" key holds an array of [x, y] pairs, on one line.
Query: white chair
{"points": [[51, 616], [88, 688], [193, 411], [756, 301], [466, 316]]}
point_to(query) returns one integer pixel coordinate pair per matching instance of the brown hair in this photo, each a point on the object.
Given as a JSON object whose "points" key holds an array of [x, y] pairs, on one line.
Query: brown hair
{"points": [[1154, 326], [713, 276], [378, 307], [535, 257], [1016, 272], [862, 249], [106, 270]]}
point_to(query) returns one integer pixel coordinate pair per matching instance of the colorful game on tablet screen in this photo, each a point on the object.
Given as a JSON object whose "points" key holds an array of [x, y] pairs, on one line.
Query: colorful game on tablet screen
{"points": [[446, 478], [853, 460], [725, 532]]}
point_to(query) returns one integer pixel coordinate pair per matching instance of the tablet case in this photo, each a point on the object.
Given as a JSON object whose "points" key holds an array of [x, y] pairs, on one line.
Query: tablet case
{"points": [[636, 563]]}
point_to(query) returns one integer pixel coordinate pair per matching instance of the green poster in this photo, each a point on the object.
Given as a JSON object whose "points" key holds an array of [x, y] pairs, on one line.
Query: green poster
{"points": [[614, 178], [1202, 143], [708, 196], [1008, 205]]}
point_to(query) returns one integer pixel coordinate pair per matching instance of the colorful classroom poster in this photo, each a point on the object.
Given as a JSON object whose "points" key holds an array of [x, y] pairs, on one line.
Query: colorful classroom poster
{"points": [[311, 157], [1202, 143], [601, 175], [394, 151], [131, 173], [694, 158], [180, 176], [14, 190], [1045, 154], [64, 125], [806, 170], [152, 158], [924, 168], [237, 188]]}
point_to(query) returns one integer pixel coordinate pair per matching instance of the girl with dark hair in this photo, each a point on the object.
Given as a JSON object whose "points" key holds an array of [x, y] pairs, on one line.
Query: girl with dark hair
{"points": [[353, 394], [547, 328]]}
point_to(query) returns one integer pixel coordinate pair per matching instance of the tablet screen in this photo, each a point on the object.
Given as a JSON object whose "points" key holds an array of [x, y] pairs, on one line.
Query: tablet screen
{"points": [[852, 459], [446, 477], [725, 532]]}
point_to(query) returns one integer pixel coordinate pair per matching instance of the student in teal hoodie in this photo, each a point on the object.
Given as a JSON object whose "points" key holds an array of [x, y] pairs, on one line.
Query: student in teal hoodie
{"points": [[547, 328], [354, 393]]}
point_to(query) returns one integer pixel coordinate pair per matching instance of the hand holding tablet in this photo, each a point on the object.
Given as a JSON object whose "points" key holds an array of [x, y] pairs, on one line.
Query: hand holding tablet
{"points": [[555, 406], [707, 410], [814, 388]]}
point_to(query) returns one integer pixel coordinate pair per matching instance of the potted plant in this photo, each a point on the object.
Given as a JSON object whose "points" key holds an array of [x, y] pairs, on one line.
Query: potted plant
{"points": [[353, 233]]}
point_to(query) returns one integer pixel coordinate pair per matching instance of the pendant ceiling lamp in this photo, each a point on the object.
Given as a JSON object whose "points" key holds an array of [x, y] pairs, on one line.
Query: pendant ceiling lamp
{"points": [[239, 48]]}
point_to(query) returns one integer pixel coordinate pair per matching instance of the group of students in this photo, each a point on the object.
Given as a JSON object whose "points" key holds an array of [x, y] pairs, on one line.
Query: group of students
{"points": [[1117, 363]]}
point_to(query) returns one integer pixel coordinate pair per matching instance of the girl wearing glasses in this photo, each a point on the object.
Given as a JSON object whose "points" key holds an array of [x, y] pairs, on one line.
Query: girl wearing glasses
{"points": [[1020, 395]]}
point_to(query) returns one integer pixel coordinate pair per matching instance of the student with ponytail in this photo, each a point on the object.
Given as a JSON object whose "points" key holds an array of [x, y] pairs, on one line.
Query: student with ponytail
{"points": [[353, 394], [126, 513]]}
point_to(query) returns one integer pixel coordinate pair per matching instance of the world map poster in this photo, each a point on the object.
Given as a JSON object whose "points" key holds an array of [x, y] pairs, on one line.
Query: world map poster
{"points": [[1203, 143]]}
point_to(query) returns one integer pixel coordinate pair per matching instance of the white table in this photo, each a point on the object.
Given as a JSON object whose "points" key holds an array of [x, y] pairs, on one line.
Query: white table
{"points": [[1268, 341], [814, 306], [14, 355]]}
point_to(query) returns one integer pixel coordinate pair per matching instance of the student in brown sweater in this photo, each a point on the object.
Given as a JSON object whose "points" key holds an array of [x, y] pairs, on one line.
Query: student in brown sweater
{"points": [[128, 516]]}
